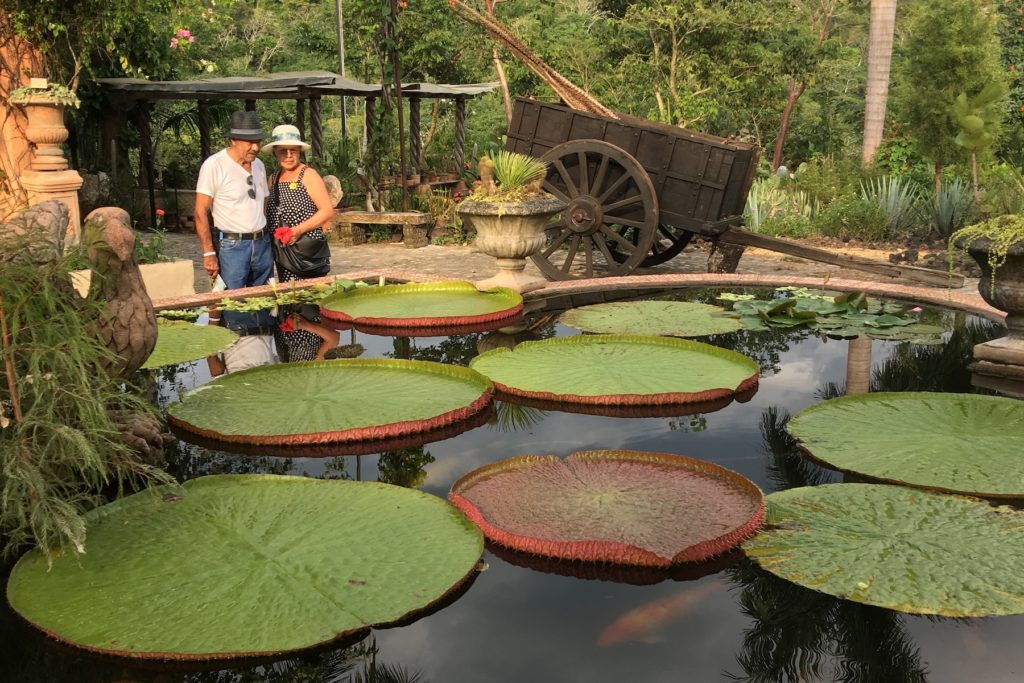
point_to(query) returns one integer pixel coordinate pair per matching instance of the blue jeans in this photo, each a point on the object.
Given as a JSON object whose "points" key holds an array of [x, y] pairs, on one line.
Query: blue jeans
{"points": [[245, 263]]}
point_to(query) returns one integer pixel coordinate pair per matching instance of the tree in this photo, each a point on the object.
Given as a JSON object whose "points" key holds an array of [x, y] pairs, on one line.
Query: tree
{"points": [[952, 47], [880, 35]]}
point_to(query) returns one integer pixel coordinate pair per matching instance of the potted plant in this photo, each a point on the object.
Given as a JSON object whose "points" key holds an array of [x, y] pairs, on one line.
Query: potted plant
{"points": [[44, 105], [998, 246], [509, 211]]}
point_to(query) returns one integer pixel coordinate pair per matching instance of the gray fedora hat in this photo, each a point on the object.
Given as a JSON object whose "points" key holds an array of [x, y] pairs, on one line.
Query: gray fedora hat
{"points": [[245, 125]]}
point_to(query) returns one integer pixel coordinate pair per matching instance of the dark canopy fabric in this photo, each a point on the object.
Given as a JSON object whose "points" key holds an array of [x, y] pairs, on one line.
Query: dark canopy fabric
{"points": [[285, 85]]}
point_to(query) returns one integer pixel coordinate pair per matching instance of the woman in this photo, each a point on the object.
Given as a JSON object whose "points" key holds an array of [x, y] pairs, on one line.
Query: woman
{"points": [[298, 205]]}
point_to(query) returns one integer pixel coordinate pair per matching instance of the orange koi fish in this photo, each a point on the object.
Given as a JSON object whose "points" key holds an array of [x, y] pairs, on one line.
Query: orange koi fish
{"points": [[644, 623]]}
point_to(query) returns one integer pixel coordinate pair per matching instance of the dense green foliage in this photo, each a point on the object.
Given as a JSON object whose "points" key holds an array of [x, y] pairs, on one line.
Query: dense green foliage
{"points": [[760, 71]]}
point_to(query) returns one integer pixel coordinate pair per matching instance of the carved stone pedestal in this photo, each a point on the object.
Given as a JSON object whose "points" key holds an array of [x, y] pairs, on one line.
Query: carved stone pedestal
{"points": [[59, 185]]}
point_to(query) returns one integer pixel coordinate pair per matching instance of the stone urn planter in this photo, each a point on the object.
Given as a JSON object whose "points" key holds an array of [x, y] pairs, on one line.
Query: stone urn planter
{"points": [[510, 231], [1001, 284], [45, 130]]}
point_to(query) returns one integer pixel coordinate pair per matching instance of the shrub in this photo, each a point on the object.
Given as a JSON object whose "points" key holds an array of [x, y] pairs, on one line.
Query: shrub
{"points": [[793, 225], [1003, 190], [827, 179], [951, 207], [852, 217], [770, 202]]}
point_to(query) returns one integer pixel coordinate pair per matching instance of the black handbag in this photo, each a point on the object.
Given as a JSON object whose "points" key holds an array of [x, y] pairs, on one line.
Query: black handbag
{"points": [[307, 257]]}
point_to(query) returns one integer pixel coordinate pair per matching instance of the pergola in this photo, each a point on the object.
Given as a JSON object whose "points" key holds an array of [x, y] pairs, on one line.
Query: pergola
{"points": [[305, 87]]}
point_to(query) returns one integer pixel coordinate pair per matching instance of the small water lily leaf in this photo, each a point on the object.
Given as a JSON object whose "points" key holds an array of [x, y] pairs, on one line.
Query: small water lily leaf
{"points": [[180, 342], [245, 565], [618, 370], [960, 443], [896, 547], [338, 401], [435, 304], [624, 507], [659, 318]]}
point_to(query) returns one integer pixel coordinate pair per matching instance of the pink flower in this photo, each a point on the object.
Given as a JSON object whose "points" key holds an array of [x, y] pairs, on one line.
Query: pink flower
{"points": [[184, 32], [160, 212], [191, 39], [916, 309], [174, 43]]}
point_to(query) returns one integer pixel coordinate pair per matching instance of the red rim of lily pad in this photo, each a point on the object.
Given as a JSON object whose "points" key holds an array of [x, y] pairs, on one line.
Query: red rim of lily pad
{"points": [[615, 573], [380, 433], [433, 331], [413, 325], [658, 410], [364, 447], [713, 483]]}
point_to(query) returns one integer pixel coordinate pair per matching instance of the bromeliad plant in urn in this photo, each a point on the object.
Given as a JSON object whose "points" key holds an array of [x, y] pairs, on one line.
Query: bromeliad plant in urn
{"points": [[998, 246], [509, 211]]}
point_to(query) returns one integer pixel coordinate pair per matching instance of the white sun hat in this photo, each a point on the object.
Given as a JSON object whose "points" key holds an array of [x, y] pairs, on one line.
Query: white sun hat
{"points": [[285, 135]]}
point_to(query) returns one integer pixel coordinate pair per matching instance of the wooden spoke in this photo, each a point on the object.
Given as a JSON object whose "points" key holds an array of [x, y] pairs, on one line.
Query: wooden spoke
{"points": [[615, 186], [603, 246], [569, 184], [678, 237], [602, 171], [584, 170], [628, 201], [620, 241], [615, 220], [550, 188], [588, 252], [573, 248]]}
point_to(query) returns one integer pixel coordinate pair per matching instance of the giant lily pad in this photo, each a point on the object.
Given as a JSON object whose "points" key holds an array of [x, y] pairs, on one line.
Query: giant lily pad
{"points": [[664, 318], [244, 565], [623, 507], [436, 304], [180, 342], [895, 547], [618, 370], [960, 443], [321, 402]]}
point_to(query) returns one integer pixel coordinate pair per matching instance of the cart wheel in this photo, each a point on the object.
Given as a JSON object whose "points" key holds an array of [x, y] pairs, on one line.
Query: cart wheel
{"points": [[612, 212], [661, 251]]}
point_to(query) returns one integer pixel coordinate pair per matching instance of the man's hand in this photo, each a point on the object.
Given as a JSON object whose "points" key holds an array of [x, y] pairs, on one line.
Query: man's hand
{"points": [[211, 265]]}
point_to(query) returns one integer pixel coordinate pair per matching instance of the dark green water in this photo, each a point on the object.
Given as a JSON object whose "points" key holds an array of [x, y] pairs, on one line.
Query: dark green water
{"points": [[519, 623]]}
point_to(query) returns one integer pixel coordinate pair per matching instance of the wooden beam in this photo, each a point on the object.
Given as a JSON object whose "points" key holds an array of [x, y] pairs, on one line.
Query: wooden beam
{"points": [[937, 278], [204, 130], [460, 135], [300, 117], [414, 136]]}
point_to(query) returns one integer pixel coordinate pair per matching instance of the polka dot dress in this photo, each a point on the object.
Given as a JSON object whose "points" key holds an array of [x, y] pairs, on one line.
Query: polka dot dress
{"points": [[290, 204]]}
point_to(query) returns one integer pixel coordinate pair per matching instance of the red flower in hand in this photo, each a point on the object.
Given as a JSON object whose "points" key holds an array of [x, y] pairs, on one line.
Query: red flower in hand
{"points": [[283, 234], [287, 325]]}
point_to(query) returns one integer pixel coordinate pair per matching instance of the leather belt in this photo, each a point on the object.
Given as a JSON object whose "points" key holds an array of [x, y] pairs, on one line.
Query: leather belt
{"points": [[243, 235]]}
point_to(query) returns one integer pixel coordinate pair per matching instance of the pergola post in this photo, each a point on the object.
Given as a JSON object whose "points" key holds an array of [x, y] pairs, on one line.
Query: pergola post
{"points": [[415, 148], [370, 117], [146, 155], [204, 129], [460, 134], [317, 133], [300, 116]]}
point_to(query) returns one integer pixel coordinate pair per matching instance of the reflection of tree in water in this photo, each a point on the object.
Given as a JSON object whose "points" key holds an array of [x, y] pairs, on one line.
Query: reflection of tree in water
{"points": [[512, 417], [404, 467], [688, 423], [943, 367], [455, 350], [802, 635], [786, 466], [188, 461]]}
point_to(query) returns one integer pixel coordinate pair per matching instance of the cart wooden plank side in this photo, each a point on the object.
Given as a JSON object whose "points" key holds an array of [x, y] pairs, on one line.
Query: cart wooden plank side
{"points": [[637, 190]]}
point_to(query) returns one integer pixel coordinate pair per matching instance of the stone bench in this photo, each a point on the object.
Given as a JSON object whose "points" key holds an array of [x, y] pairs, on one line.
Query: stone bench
{"points": [[349, 228]]}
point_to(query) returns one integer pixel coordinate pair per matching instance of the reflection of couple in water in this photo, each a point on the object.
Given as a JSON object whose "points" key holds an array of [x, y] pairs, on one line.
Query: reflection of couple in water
{"points": [[294, 334]]}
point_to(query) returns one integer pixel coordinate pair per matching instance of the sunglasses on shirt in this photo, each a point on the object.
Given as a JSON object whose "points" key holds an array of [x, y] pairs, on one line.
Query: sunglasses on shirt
{"points": [[252, 190]]}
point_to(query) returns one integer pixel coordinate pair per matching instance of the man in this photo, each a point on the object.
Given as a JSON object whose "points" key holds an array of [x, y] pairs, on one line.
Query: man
{"points": [[233, 182]]}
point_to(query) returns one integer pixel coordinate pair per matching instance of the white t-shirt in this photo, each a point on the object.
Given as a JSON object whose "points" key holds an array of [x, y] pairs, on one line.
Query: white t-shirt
{"points": [[250, 352], [224, 179]]}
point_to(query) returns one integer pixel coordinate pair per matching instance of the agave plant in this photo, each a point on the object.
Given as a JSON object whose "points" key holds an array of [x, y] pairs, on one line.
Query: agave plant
{"points": [[899, 196], [951, 206], [515, 171], [766, 201]]}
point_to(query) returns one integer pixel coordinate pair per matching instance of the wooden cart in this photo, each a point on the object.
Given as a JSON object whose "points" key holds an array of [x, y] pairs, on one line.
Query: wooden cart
{"points": [[638, 191]]}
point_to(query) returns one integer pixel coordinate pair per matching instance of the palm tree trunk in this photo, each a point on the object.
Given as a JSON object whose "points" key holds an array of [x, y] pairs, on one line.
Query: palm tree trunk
{"points": [[880, 34]]}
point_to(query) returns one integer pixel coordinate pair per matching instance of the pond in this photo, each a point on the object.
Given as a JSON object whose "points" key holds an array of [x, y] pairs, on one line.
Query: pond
{"points": [[728, 621]]}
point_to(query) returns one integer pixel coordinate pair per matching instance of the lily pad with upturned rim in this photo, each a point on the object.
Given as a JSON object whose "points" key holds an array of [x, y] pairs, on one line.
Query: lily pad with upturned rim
{"points": [[958, 443], [659, 318], [618, 370], [896, 547], [323, 402], [623, 507], [180, 342], [429, 305], [262, 574]]}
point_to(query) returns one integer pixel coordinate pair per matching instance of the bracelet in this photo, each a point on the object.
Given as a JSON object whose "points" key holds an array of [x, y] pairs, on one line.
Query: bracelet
{"points": [[209, 253]]}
